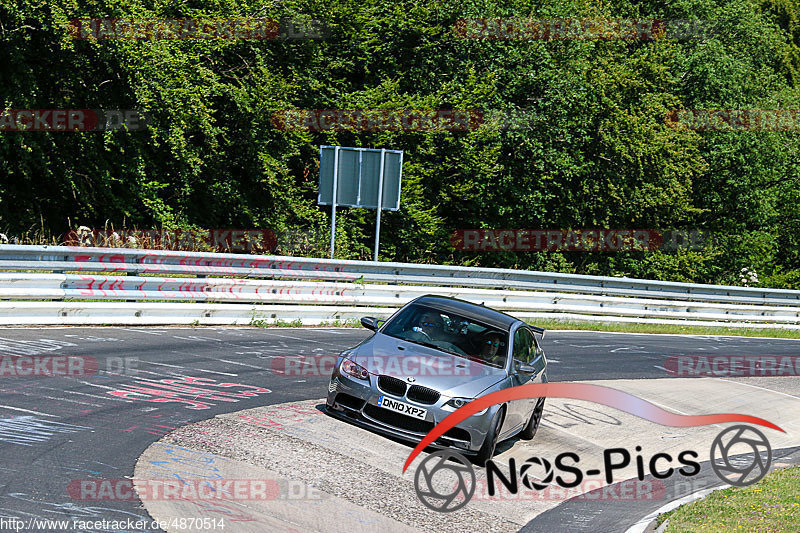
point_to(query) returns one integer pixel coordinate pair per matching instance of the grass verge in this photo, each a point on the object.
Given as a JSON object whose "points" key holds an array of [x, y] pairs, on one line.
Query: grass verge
{"points": [[297, 323], [679, 329], [588, 326], [771, 505]]}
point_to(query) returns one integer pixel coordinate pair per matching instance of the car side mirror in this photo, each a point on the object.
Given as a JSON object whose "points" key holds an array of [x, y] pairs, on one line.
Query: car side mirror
{"points": [[521, 368], [369, 322]]}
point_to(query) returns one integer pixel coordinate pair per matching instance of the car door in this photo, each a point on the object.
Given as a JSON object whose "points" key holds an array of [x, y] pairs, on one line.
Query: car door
{"points": [[518, 409], [531, 355], [539, 361]]}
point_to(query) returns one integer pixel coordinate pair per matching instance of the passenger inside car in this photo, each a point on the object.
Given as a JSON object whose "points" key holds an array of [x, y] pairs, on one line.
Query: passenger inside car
{"points": [[493, 349]]}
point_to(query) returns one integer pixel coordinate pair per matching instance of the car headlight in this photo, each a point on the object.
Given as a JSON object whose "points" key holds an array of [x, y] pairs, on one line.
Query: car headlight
{"points": [[457, 403], [352, 369]]}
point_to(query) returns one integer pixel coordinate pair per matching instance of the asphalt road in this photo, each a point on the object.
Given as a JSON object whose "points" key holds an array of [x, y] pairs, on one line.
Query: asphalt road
{"points": [[55, 431]]}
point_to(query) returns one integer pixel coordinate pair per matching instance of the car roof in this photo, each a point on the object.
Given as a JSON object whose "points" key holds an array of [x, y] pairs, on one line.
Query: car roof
{"points": [[469, 310]]}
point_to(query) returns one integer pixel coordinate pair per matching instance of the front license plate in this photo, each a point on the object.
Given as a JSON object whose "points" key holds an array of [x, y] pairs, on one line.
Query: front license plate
{"points": [[400, 407]]}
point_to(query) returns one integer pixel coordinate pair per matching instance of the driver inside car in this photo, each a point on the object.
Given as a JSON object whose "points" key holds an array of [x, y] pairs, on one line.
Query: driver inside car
{"points": [[429, 327]]}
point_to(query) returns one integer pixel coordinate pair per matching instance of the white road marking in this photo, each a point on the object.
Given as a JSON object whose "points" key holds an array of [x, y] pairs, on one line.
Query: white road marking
{"points": [[639, 349], [109, 397], [299, 339], [216, 372], [197, 338], [164, 364], [571, 434], [184, 369], [141, 331], [668, 408], [186, 374], [240, 364], [132, 374], [66, 400], [27, 411], [757, 387], [98, 386]]}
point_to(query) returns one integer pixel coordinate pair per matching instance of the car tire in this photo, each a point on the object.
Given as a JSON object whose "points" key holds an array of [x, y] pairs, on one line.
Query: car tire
{"points": [[490, 442], [530, 428]]}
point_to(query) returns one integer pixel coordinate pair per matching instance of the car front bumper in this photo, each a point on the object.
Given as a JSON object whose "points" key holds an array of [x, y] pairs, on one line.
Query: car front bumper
{"points": [[356, 401]]}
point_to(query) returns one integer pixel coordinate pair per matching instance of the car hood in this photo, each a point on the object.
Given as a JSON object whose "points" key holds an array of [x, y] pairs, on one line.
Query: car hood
{"points": [[449, 374]]}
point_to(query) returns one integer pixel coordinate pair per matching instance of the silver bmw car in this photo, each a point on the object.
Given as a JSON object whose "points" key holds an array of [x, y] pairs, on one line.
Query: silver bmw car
{"points": [[431, 357]]}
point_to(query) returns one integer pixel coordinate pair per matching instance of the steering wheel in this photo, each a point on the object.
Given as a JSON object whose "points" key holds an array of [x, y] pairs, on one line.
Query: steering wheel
{"points": [[417, 329]]}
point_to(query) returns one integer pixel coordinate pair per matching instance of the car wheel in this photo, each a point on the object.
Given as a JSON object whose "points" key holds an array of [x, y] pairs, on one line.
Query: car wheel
{"points": [[533, 424], [490, 442]]}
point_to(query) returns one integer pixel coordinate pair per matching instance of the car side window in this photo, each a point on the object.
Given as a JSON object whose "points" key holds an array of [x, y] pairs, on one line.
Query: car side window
{"points": [[524, 351]]}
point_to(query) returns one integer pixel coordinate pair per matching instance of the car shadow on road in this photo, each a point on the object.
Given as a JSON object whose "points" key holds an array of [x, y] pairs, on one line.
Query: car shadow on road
{"points": [[502, 446]]}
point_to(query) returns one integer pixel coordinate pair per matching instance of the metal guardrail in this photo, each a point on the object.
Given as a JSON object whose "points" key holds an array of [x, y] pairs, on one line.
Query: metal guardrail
{"points": [[281, 288]]}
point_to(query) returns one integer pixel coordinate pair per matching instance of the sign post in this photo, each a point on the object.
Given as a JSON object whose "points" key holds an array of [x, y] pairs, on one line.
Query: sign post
{"points": [[367, 178], [380, 195], [333, 197]]}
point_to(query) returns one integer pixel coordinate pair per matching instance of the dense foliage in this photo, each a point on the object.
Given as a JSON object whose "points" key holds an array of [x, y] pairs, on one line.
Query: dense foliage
{"points": [[593, 152]]}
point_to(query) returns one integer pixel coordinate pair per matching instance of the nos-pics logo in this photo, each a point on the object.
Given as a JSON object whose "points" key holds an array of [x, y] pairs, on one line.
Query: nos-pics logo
{"points": [[445, 481]]}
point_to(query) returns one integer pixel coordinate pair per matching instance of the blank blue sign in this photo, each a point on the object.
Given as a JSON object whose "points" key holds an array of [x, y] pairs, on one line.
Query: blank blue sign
{"points": [[358, 177]]}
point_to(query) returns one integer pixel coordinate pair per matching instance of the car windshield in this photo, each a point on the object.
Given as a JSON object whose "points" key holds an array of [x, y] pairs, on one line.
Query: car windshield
{"points": [[450, 333]]}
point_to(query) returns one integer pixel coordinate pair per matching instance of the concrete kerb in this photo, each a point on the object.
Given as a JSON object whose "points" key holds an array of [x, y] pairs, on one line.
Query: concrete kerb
{"points": [[355, 474]]}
